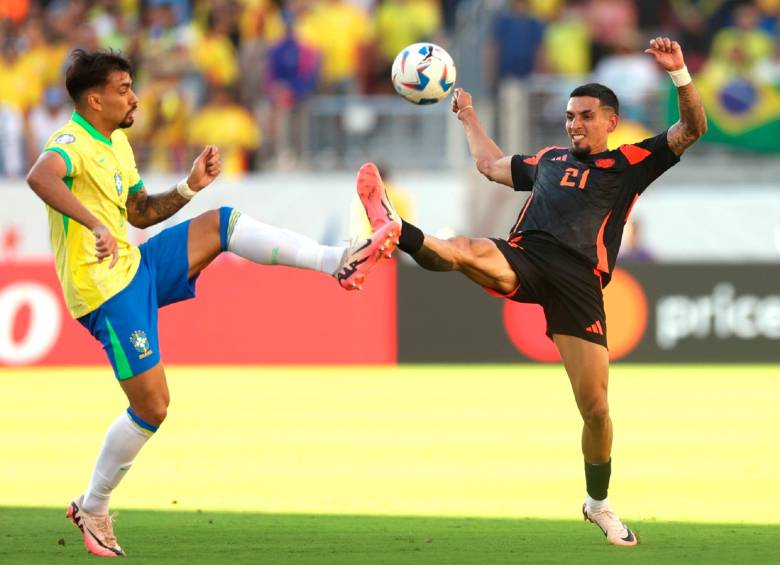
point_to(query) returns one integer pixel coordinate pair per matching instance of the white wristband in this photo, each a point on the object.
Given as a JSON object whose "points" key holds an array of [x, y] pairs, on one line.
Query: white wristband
{"points": [[184, 189], [680, 77]]}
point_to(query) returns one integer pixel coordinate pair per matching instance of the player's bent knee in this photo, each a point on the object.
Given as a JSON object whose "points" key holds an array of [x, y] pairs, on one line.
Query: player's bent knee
{"points": [[152, 412], [596, 415]]}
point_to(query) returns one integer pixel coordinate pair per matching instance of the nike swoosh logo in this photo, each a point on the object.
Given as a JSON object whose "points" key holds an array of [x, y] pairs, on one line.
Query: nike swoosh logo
{"points": [[349, 270], [630, 536]]}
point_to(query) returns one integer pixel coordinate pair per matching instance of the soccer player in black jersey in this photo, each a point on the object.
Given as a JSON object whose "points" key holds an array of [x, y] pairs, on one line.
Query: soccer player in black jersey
{"points": [[562, 248]]}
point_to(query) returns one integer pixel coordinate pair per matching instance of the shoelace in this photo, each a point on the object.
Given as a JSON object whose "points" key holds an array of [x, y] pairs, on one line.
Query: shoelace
{"points": [[609, 515], [105, 528]]}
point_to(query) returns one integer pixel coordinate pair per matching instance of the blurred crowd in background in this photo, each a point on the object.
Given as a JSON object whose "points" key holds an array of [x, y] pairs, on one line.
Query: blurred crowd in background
{"points": [[237, 73]]}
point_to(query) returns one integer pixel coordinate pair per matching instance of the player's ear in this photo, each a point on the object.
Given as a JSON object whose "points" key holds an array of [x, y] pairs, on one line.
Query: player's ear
{"points": [[94, 101], [613, 122]]}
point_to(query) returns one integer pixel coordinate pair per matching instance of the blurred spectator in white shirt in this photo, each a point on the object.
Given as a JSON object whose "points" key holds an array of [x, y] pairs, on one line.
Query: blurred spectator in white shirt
{"points": [[46, 118]]}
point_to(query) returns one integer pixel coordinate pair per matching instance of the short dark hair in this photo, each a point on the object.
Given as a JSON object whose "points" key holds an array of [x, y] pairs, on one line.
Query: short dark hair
{"points": [[90, 69], [596, 90]]}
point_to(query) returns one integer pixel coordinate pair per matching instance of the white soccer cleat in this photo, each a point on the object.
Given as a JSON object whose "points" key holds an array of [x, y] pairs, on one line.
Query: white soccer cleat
{"points": [[616, 532], [97, 530], [363, 256]]}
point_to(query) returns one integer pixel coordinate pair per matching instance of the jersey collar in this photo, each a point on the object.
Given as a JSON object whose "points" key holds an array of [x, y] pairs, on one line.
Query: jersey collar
{"points": [[79, 119], [591, 158]]}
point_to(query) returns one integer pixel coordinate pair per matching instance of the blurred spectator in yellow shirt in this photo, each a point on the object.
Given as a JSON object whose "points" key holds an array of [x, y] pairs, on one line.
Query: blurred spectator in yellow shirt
{"points": [[160, 132], [697, 22], [21, 86], [214, 53], [566, 43], [228, 125], [743, 46], [44, 59], [337, 29], [261, 19], [165, 45], [401, 22]]}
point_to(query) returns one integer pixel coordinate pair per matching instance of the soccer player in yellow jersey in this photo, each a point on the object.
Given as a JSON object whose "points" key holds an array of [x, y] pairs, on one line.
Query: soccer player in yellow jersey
{"points": [[88, 178]]}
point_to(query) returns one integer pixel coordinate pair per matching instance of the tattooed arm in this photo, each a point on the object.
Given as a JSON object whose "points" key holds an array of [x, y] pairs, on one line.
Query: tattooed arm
{"points": [[431, 260], [144, 210], [693, 121]]}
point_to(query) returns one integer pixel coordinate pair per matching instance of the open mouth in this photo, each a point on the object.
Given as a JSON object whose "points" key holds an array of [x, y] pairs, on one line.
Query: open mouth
{"points": [[577, 137]]}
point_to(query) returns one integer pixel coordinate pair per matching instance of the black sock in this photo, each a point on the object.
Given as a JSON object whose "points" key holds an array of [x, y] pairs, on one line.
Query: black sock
{"points": [[597, 479], [412, 237]]}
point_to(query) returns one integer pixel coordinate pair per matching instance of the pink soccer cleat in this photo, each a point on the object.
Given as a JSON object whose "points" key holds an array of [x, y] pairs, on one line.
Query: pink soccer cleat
{"points": [[361, 257], [97, 530], [372, 194], [616, 532]]}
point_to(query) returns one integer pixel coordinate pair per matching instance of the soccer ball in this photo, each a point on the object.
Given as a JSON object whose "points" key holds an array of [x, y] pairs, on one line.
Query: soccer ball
{"points": [[423, 73]]}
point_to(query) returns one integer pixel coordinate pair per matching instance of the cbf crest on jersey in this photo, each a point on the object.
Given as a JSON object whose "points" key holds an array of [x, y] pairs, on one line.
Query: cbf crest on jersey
{"points": [[118, 183], [64, 139], [141, 343]]}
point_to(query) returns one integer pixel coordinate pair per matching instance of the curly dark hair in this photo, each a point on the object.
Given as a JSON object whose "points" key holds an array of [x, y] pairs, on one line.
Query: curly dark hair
{"points": [[90, 69]]}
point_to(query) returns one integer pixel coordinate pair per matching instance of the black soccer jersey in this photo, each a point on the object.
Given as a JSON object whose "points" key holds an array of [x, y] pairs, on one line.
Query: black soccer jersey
{"points": [[585, 202]]}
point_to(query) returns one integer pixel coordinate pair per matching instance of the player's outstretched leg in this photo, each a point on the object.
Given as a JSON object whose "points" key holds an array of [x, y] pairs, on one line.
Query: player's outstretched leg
{"points": [[587, 365], [97, 530], [374, 198], [227, 229]]}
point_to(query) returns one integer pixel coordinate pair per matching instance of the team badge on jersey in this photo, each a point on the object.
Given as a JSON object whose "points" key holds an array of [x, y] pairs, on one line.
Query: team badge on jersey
{"points": [[141, 343], [65, 138], [118, 183]]}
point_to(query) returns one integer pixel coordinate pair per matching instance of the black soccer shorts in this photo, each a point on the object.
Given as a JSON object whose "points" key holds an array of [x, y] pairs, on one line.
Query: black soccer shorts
{"points": [[566, 286]]}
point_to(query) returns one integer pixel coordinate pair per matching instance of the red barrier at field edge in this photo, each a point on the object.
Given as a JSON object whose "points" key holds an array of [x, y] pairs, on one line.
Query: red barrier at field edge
{"points": [[243, 314]]}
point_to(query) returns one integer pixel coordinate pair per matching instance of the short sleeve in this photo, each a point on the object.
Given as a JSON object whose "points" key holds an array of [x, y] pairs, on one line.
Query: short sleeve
{"points": [[652, 157], [64, 145], [523, 172]]}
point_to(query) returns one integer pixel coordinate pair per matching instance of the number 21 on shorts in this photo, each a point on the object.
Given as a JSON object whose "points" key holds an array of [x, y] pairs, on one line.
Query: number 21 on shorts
{"points": [[570, 178]]}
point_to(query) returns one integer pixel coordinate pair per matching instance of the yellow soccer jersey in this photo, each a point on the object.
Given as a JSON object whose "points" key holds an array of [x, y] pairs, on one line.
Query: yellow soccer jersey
{"points": [[101, 174]]}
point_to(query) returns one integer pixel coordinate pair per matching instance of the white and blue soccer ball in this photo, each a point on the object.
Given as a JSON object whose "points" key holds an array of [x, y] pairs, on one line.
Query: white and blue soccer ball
{"points": [[423, 73]]}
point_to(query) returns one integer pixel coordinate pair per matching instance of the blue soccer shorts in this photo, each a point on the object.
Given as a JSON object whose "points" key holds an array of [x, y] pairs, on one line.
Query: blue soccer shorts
{"points": [[126, 323]]}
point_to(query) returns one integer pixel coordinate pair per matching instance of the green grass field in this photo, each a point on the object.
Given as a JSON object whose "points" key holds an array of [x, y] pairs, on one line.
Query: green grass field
{"points": [[393, 465]]}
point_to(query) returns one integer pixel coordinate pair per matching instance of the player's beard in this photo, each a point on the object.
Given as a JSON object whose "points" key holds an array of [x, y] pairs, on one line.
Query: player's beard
{"points": [[579, 152], [128, 121]]}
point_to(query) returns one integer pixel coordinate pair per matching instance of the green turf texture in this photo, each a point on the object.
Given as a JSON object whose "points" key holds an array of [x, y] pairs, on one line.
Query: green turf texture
{"points": [[43, 535]]}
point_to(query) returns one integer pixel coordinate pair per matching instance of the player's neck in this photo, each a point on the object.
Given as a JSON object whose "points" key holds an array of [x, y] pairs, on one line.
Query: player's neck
{"points": [[96, 122]]}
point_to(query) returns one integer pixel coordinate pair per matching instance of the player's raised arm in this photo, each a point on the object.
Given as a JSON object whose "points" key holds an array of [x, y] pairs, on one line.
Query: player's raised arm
{"points": [[488, 156], [144, 210], [45, 179], [693, 121]]}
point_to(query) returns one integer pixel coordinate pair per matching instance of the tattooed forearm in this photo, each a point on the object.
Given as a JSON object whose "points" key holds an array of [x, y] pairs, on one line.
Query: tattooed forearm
{"points": [[144, 210], [432, 261], [693, 121]]}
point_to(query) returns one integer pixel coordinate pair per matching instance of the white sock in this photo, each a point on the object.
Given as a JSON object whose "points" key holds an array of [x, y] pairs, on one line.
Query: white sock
{"points": [[269, 245], [596, 505], [123, 442]]}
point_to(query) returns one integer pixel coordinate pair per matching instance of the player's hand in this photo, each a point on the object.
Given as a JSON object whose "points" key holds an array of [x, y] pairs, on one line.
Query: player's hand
{"points": [[667, 53], [105, 245], [205, 168], [461, 100]]}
